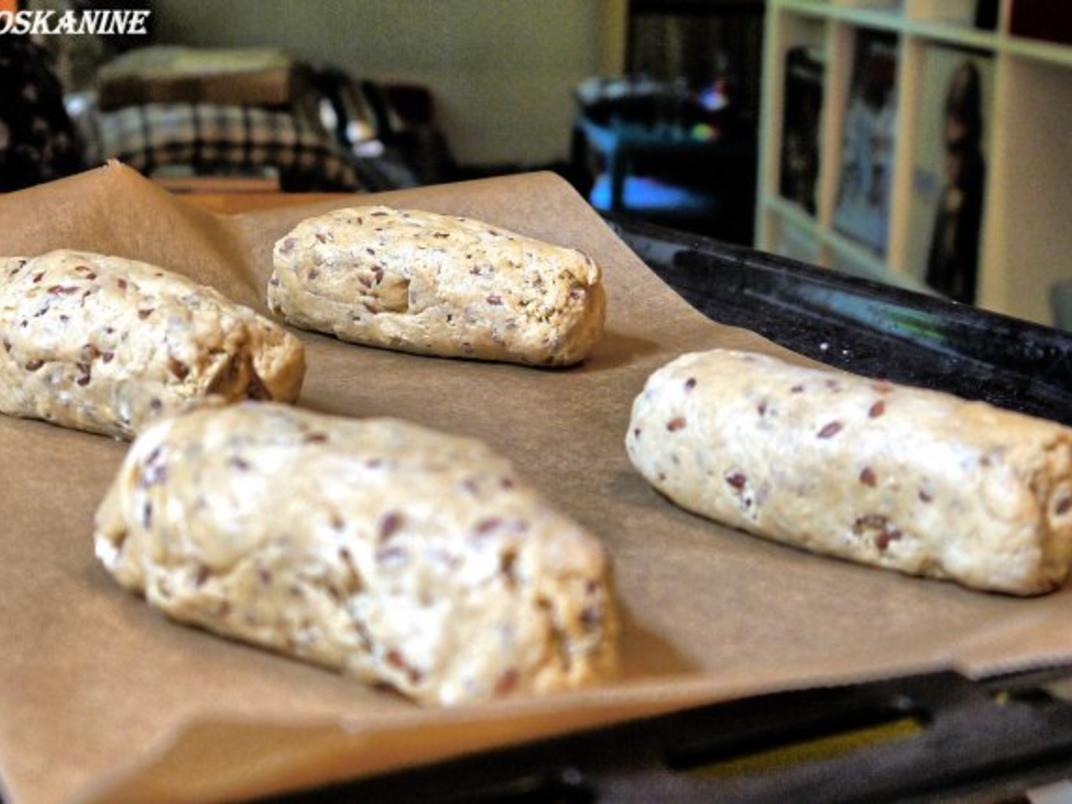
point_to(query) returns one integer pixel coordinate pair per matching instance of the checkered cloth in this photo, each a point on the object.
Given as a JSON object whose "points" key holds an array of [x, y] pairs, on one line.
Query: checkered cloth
{"points": [[224, 139]]}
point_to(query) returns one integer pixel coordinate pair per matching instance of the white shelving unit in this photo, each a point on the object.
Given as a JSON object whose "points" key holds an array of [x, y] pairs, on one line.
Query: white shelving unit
{"points": [[1026, 239]]}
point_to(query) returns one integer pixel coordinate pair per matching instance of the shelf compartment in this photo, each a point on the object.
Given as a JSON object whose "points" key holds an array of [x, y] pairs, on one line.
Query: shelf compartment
{"points": [[1028, 240], [784, 30], [1025, 245], [931, 173]]}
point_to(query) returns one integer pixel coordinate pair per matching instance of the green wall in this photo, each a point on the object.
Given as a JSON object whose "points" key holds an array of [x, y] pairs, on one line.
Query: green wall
{"points": [[502, 70]]}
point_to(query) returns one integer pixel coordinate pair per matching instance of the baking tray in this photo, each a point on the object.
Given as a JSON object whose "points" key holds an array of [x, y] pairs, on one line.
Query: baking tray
{"points": [[865, 327], [710, 614], [933, 737]]}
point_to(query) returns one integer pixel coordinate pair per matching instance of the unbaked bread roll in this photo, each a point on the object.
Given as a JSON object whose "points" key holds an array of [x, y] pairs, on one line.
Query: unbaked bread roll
{"points": [[438, 285], [397, 554], [901, 478], [107, 344]]}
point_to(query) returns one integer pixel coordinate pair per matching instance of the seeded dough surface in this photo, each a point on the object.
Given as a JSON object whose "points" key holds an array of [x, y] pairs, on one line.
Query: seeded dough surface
{"points": [[439, 285], [107, 344], [397, 554], [896, 477]]}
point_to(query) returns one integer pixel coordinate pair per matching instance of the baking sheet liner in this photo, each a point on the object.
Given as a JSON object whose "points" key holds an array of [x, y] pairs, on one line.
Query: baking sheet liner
{"points": [[101, 698]]}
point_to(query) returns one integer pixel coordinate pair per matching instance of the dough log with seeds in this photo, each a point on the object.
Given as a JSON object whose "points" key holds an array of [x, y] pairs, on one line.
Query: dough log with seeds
{"points": [[438, 285], [896, 477], [106, 344], [397, 554]]}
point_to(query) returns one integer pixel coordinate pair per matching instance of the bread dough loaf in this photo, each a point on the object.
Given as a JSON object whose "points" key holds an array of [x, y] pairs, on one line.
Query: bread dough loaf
{"points": [[397, 554], [107, 344], [901, 478], [432, 284]]}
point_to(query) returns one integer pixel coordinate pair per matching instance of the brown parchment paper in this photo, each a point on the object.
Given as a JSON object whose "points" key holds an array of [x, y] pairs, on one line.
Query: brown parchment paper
{"points": [[101, 698]]}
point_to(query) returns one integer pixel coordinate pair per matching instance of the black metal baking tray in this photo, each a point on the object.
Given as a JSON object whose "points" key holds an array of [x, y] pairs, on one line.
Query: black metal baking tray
{"points": [[937, 737], [977, 742], [865, 327]]}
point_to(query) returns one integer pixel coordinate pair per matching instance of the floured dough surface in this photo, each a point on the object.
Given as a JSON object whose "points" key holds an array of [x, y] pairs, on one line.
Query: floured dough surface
{"points": [[439, 285], [896, 477], [107, 344], [397, 554]]}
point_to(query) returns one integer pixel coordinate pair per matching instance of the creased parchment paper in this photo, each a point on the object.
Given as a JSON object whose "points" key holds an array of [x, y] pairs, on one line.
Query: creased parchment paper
{"points": [[101, 698]]}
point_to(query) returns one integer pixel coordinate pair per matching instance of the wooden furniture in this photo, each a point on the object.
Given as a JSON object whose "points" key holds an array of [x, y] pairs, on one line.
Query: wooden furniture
{"points": [[1026, 239]]}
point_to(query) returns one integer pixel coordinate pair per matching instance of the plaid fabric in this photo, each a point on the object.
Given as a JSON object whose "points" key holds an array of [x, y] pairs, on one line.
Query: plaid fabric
{"points": [[226, 138]]}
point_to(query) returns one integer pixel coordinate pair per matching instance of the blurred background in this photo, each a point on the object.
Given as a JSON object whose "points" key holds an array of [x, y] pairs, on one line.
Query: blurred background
{"points": [[921, 143]]}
